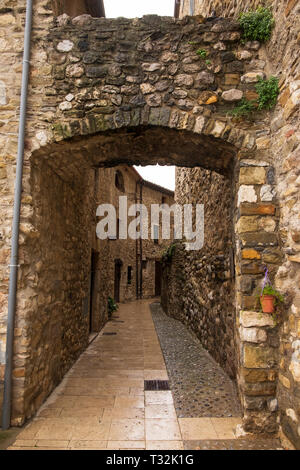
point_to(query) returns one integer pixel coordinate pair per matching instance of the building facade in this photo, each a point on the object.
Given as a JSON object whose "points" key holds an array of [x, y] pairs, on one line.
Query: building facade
{"points": [[133, 267]]}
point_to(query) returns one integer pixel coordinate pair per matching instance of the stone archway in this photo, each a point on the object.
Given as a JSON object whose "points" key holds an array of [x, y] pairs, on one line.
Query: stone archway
{"points": [[134, 91], [61, 177]]}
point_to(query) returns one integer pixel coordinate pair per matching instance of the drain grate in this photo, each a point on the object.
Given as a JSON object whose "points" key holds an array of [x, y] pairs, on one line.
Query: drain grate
{"points": [[153, 385], [109, 333]]}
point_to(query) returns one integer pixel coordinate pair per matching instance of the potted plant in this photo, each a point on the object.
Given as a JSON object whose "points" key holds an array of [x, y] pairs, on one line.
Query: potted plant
{"points": [[269, 298], [112, 306]]}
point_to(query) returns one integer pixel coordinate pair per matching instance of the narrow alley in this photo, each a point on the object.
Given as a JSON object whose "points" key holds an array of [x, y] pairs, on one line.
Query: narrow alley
{"points": [[102, 402]]}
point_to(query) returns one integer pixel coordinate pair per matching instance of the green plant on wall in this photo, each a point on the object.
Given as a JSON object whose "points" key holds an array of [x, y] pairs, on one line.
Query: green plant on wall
{"points": [[112, 306], [269, 290], [202, 53], [168, 253], [244, 108], [257, 24], [267, 90], [270, 299]]}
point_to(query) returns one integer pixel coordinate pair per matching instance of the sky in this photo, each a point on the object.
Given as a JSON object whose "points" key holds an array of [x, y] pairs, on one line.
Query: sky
{"points": [[161, 175], [138, 8]]}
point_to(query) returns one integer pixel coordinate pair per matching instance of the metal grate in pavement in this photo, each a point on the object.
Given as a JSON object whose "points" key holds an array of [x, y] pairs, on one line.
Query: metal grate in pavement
{"points": [[154, 385]]}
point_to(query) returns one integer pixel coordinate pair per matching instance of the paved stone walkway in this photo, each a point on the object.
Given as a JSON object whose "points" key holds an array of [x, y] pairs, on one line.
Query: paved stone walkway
{"points": [[200, 386], [101, 403]]}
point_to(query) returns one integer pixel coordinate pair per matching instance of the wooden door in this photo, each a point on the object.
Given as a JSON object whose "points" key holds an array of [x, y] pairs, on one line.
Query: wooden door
{"points": [[118, 266], [158, 274]]}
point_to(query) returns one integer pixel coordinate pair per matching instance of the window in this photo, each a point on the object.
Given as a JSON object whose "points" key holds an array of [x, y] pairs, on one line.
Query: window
{"points": [[144, 264], [117, 231], [129, 275], [156, 234], [118, 228], [119, 181]]}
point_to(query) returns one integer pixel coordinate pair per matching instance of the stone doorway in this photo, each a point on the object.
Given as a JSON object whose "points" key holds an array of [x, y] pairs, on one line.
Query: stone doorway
{"points": [[117, 278], [158, 278], [93, 290]]}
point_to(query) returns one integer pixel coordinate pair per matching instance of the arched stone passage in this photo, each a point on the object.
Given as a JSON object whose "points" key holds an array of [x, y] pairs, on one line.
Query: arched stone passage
{"points": [[62, 232], [141, 145], [104, 92], [62, 175]]}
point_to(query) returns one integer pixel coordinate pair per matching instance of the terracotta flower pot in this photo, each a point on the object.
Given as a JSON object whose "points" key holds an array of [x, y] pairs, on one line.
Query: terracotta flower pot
{"points": [[267, 303]]}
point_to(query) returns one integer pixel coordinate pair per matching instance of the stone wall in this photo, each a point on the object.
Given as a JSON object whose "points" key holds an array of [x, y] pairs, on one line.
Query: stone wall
{"points": [[282, 140], [283, 54], [232, 8], [150, 85], [12, 18], [223, 8], [200, 284], [55, 330], [11, 46]]}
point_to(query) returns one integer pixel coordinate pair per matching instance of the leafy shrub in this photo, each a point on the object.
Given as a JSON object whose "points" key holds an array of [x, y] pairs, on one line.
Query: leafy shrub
{"points": [[244, 108], [257, 24], [268, 91]]}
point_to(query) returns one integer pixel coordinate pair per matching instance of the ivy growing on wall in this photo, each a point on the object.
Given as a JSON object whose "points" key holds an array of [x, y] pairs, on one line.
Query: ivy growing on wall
{"points": [[201, 53], [244, 108], [267, 90], [168, 253], [257, 24]]}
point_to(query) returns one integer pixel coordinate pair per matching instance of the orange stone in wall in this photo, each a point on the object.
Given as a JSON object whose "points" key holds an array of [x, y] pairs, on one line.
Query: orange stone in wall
{"points": [[250, 254], [290, 6], [257, 209]]}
